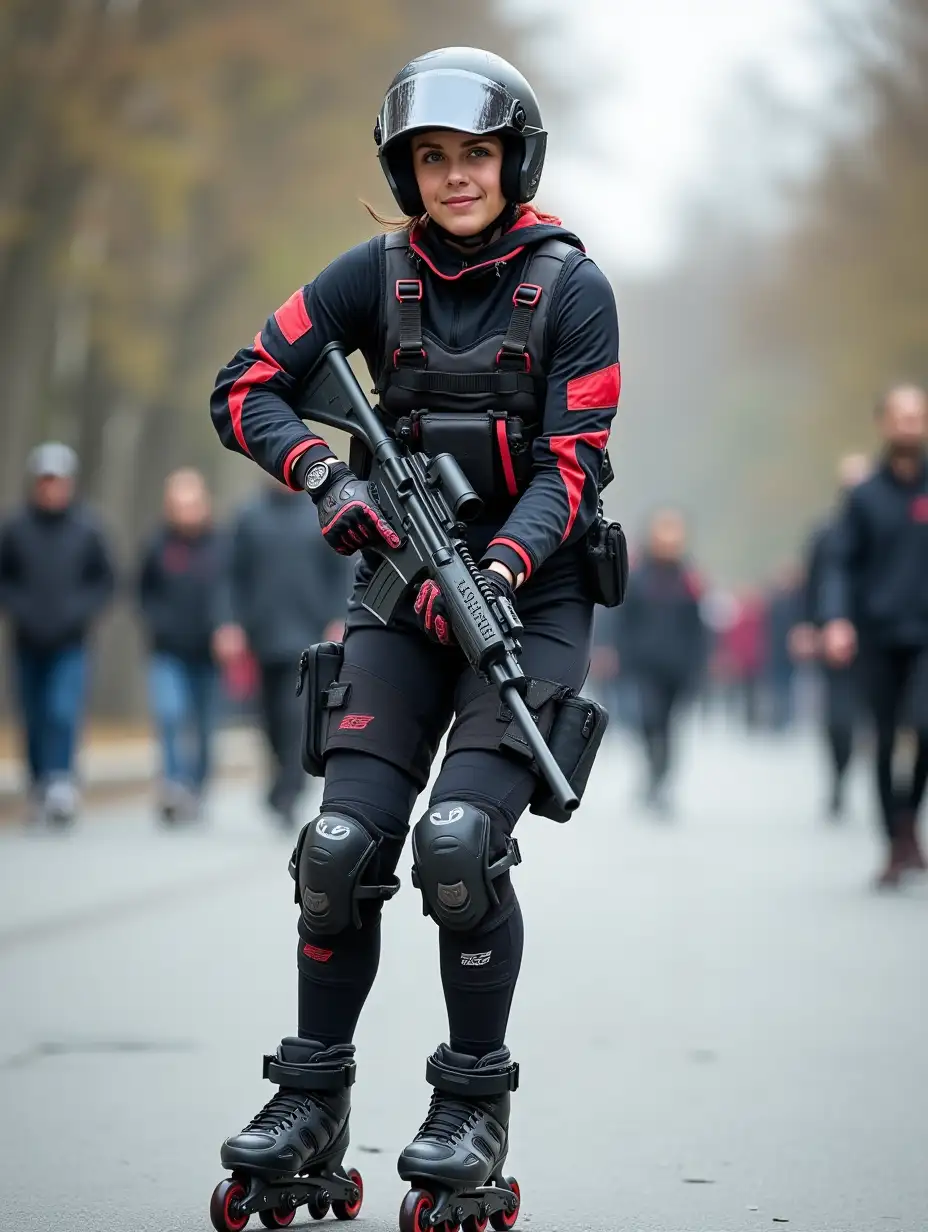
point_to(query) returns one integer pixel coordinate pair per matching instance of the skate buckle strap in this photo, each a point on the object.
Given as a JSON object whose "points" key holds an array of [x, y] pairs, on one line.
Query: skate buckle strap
{"points": [[471, 1083], [308, 1077]]}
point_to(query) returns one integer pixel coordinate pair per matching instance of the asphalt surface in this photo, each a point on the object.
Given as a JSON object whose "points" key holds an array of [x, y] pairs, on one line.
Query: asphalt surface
{"points": [[720, 1026]]}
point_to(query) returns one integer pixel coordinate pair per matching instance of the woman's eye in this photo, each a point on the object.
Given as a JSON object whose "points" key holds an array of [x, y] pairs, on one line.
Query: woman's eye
{"points": [[479, 152], [432, 156]]}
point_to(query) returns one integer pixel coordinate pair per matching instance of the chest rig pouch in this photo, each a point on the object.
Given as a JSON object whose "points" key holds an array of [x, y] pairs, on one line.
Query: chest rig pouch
{"points": [[483, 403]]}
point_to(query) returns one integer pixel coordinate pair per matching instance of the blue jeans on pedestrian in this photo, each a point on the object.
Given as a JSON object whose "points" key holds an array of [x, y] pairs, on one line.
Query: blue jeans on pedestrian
{"points": [[182, 696], [52, 687]]}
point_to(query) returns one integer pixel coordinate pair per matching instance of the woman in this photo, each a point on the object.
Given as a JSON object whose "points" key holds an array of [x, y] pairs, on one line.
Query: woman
{"points": [[490, 334]]}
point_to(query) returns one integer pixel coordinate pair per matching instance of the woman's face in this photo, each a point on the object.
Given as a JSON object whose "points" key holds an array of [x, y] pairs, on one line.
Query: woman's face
{"points": [[459, 178]]}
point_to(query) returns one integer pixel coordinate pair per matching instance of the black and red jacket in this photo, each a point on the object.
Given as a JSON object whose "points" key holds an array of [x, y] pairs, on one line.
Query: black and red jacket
{"points": [[464, 299]]}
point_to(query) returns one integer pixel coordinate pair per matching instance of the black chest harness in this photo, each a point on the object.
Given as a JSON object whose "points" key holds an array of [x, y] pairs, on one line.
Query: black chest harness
{"points": [[483, 403]]}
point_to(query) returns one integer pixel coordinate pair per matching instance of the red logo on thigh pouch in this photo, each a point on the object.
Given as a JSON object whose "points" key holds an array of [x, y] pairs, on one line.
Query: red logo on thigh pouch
{"points": [[316, 953], [355, 722], [920, 509]]}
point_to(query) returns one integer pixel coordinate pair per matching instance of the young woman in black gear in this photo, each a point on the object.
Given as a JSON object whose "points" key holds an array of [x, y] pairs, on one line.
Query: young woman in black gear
{"points": [[490, 334]]}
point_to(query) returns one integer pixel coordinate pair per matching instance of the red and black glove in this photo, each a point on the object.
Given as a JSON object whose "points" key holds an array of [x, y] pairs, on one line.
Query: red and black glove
{"points": [[349, 515], [432, 610]]}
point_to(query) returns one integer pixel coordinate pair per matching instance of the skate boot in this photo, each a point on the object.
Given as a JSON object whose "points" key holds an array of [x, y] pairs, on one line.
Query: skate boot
{"points": [[291, 1154], [455, 1162]]}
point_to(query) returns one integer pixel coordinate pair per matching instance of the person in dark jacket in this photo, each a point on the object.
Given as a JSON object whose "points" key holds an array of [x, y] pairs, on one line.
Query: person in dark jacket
{"points": [[274, 611], [782, 608], [663, 643], [476, 304], [875, 604], [842, 703], [177, 591], [56, 577]]}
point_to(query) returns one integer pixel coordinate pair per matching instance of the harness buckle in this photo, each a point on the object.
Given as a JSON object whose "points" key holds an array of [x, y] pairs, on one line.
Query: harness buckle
{"points": [[409, 290], [399, 354], [515, 355], [527, 295]]}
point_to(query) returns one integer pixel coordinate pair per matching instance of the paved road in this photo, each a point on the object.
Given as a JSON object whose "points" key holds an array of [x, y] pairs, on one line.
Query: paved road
{"points": [[720, 1027]]}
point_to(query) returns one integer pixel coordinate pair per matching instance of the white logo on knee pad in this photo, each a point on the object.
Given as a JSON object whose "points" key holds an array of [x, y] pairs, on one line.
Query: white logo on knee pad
{"points": [[437, 820], [336, 834]]}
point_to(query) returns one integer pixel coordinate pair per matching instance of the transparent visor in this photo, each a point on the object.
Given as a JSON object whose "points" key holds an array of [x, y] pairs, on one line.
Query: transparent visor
{"points": [[446, 99]]}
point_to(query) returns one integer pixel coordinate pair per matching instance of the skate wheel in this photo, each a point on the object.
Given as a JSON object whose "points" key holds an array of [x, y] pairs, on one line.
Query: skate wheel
{"points": [[278, 1217], [473, 1224], [223, 1207], [501, 1220], [414, 1213], [318, 1205], [350, 1210]]}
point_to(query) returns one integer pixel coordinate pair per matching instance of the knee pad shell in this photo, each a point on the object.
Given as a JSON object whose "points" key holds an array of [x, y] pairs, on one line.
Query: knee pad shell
{"points": [[451, 864], [331, 856]]}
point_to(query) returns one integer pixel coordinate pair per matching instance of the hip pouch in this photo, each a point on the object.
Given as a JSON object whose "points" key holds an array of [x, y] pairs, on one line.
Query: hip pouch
{"points": [[606, 561], [320, 667], [576, 734]]}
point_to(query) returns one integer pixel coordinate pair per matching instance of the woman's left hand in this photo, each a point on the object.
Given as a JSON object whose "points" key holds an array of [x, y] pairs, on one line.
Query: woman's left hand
{"points": [[432, 610]]}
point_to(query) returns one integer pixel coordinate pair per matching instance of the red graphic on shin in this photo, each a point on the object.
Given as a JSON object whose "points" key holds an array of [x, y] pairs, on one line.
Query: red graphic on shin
{"points": [[355, 722]]}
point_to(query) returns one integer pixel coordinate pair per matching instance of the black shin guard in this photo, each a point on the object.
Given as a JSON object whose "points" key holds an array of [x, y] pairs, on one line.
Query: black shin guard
{"points": [[479, 970]]}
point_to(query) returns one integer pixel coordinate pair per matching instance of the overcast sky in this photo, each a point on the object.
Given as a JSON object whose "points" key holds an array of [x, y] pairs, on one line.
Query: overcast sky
{"points": [[656, 76]]}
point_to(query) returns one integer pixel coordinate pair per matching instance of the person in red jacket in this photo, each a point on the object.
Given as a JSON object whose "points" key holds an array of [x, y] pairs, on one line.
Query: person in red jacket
{"points": [[490, 334]]}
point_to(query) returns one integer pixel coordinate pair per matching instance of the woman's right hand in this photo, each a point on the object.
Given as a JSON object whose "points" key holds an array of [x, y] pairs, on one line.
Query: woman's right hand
{"points": [[349, 516]]}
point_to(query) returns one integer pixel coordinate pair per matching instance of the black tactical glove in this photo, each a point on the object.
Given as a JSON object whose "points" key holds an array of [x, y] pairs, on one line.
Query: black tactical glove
{"points": [[432, 611], [348, 513]]}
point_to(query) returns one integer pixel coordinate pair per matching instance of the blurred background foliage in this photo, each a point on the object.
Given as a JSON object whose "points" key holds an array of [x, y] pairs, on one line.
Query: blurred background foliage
{"points": [[170, 171], [758, 358]]}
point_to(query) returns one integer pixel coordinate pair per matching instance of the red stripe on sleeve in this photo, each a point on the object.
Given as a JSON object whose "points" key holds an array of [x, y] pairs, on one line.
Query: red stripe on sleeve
{"points": [[519, 551], [259, 350], [595, 390], [564, 449], [256, 374], [292, 318]]}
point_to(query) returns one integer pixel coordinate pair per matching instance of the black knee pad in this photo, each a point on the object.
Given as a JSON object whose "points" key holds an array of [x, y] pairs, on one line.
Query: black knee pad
{"points": [[330, 858], [451, 864]]}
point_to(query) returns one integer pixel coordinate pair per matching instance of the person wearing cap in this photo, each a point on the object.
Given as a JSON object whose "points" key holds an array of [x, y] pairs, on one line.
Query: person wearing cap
{"points": [[56, 577], [490, 334]]}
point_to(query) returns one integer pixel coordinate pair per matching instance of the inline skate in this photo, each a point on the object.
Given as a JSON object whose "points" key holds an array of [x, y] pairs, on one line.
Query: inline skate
{"points": [[455, 1162], [291, 1154]]}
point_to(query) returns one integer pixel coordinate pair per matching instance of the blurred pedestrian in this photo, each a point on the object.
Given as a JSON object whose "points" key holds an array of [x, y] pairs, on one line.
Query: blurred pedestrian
{"points": [[663, 643], [285, 589], [178, 585], [875, 603], [782, 609], [56, 577], [842, 708], [741, 655]]}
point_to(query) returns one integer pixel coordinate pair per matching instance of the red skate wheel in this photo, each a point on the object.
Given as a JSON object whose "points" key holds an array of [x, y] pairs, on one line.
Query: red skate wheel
{"points": [[223, 1207], [414, 1213], [350, 1210], [501, 1220], [278, 1217], [473, 1224]]}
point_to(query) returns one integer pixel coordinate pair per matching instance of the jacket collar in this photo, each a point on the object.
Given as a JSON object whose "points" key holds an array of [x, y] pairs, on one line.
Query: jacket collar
{"points": [[449, 264]]}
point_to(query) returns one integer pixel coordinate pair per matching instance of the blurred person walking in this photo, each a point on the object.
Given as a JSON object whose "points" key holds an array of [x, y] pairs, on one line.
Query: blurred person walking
{"points": [[782, 609], [875, 604], [274, 610], [56, 577], [663, 643], [180, 573], [741, 656], [842, 701]]}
